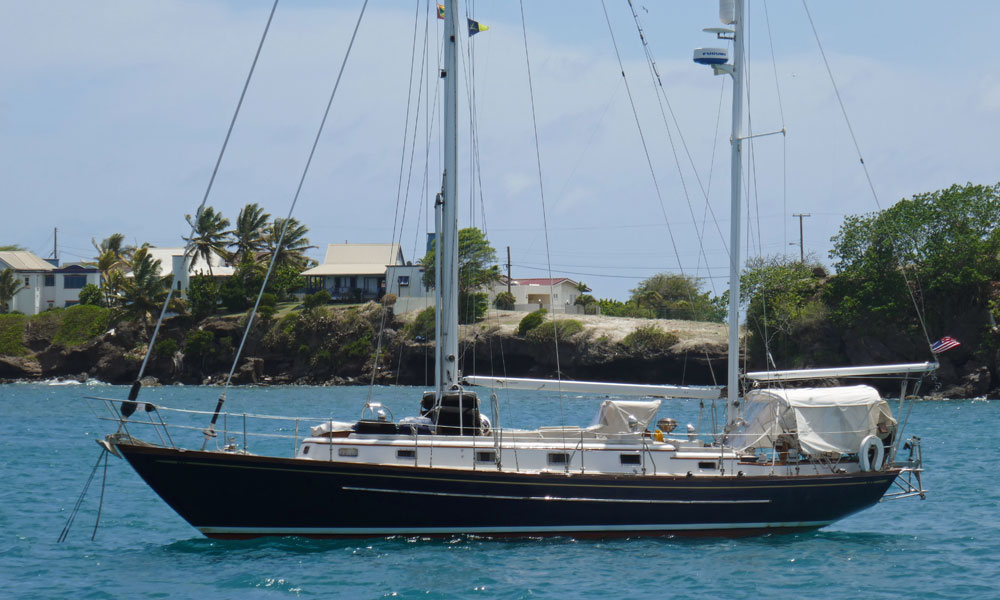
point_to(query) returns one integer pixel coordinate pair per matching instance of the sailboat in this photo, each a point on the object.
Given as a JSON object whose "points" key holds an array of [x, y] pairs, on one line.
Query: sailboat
{"points": [[788, 459]]}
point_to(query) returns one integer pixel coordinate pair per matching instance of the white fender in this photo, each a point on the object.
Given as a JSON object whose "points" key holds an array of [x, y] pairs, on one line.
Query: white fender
{"points": [[867, 445]]}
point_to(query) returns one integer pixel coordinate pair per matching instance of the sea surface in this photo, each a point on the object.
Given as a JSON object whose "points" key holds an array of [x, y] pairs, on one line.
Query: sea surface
{"points": [[947, 546]]}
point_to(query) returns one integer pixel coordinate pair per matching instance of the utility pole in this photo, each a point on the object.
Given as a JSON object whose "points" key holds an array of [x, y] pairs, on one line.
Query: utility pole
{"points": [[802, 246], [55, 244], [508, 269]]}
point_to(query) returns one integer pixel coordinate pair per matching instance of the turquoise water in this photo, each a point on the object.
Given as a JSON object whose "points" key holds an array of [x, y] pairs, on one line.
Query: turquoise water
{"points": [[944, 547]]}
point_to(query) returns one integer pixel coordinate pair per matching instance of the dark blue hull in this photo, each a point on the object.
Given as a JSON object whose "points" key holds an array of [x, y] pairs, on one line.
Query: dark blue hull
{"points": [[237, 496]]}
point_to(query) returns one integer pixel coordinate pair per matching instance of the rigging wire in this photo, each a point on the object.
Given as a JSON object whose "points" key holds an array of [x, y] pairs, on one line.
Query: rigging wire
{"points": [[397, 220], [134, 392], [864, 167], [287, 221], [545, 223]]}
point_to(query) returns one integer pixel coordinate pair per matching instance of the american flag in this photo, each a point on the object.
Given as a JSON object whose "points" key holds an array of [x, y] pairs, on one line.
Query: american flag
{"points": [[944, 344]]}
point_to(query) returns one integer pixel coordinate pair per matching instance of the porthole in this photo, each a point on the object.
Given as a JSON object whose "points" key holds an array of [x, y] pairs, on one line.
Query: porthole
{"points": [[489, 456], [631, 459], [406, 453], [558, 458]]}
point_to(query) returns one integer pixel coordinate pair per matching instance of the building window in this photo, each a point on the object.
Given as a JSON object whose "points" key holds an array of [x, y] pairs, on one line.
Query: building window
{"points": [[404, 280], [70, 303], [27, 282], [74, 282], [50, 281]]}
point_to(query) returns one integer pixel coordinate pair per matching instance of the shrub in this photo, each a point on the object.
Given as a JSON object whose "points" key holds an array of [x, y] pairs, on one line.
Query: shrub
{"points": [[531, 321], [165, 347], [200, 344], [546, 332], [649, 339], [388, 299], [315, 300], [472, 307], [12, 335], [423, 325], [203, 296], [504, 301], [91, 295], [80, 324]]}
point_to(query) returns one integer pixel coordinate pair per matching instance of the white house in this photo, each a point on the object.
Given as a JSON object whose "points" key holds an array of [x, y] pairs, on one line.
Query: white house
{"points": [[354, 271], [172, 263], [45, 284], [558, 294]]}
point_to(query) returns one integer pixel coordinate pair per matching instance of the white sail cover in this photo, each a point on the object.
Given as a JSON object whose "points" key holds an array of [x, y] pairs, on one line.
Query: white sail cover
{"points": [[822, 420], [613, 416]]}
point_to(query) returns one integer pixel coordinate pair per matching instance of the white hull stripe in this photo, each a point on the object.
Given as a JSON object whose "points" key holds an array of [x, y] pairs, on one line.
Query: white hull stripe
{"points": [[517, 529], [554, 498]]}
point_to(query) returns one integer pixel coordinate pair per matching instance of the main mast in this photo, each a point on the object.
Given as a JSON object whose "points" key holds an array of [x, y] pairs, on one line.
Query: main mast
{"points": [[446, 223], [733, 378], [731, 13]]}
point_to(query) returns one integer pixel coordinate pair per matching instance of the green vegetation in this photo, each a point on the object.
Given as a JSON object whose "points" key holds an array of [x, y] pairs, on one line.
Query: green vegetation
{"points": [[210, 236], [12, 335], [504, 301], [10, 285], [649, 339], [943, 245], [79, 324], [315, 300], [672, 296], [476, 270], [936, 252], [531, 321], [423, 324], [165, 348], [546, 332]]}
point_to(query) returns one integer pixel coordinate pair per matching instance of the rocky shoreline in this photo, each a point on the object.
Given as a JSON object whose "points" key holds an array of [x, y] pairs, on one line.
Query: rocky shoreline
{"points": [[339, 348]]}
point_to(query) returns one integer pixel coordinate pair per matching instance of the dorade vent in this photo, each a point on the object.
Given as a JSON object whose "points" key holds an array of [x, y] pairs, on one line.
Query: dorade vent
{"points": [[347, 451], [486, 456], [630, 459], [558, 458], [706, 465], [406, 453]]}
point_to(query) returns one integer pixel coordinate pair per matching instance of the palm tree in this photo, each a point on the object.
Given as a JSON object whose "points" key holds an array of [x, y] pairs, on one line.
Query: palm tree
{"points": [[249, 233], [293, 247], [10, 284], [210, 236], [143, 293], [111, 261]]}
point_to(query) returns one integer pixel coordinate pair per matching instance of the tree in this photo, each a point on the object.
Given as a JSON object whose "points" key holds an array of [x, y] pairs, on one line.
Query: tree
{"points": [[10, 285], [476, 261], [939, 249], [476, 269], [203, 296], [504, 301], [12, 248], [673, 296], [293, 246], [249, 233], [110, 261], [210, 236], [143, 294], [782, 299], [91, 295]]}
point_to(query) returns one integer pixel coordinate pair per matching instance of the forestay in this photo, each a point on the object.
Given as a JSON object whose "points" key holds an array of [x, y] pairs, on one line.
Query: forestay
{"points": [[823, 420]]}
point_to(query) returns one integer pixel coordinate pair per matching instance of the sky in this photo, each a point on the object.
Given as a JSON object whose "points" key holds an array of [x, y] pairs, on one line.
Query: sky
{"points": [[112, 115]]}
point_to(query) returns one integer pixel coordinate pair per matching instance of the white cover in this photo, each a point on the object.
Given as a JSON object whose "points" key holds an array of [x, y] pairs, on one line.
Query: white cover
{"points": [[613, 415], [826, 420]]}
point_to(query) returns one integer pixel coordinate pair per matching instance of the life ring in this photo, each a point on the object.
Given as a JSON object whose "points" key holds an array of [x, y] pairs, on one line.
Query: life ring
{"points": [[867, 445]]}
